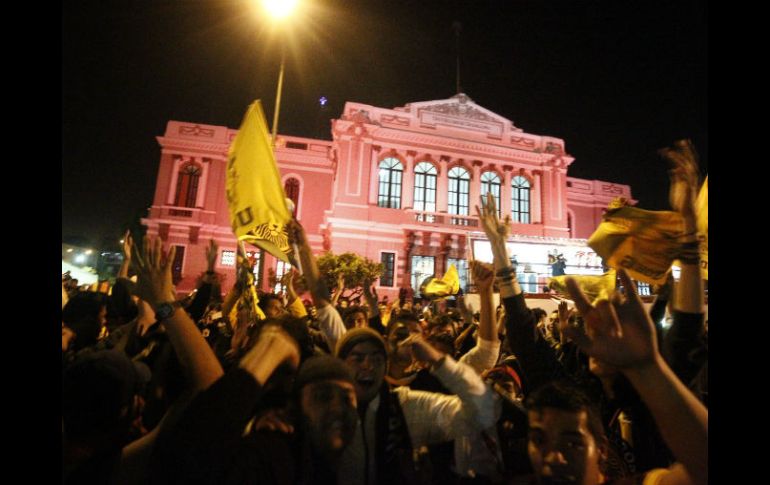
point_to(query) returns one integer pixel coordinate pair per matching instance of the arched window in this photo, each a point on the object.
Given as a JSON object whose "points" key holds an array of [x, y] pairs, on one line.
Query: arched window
{"points": [[459, 184], [390, 183], [520, 199], [291, 189], [490, 183], [187, 185], [425, 187]]}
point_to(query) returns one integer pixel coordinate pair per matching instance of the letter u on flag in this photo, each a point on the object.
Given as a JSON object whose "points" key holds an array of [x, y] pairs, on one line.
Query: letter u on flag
{"points": [[258, 212], [643, 242]]}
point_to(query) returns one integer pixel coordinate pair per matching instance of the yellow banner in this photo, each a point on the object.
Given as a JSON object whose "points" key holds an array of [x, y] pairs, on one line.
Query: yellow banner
{"points": [[258, 212], [595, 287], [702, 223], [643, 242], [448, 285]]}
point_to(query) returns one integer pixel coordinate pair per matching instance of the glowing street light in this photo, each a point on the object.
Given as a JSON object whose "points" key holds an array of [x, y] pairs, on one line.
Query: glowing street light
{"points": [[279, 9]]}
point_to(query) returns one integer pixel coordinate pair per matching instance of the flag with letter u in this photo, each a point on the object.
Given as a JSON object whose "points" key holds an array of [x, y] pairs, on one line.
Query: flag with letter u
{"points": [[643, 242], [443, 287], [258, 212], [594, 287]]}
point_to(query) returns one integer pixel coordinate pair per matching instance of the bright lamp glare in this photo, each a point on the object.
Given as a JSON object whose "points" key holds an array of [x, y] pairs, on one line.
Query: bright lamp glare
{"points": [[279, 9], [80, 258]]}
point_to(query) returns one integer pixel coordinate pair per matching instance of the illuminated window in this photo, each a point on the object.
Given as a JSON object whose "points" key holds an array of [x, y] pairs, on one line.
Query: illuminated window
{"points": [[280, 270], [187, 185], [391, 171], [388, 261], [291, 189], [425, 187], [227, 259], [490, 183], [422, 267], [459, 185], [520, 200]]}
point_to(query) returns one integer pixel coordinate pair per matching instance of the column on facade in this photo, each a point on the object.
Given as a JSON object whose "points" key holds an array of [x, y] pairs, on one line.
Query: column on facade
{"points": [[407, 181], [442, 185], [444, 247], [505, 192], [409, 237], [535, 197], [200, 197], [176, 163], [475, 189], [374, 176]]}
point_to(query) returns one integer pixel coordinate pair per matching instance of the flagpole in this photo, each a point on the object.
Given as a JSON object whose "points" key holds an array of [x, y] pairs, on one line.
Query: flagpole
{"points": [[278, 96]]}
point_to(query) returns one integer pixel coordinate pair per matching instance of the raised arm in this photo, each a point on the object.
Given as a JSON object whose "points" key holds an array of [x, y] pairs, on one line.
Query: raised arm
{"points": [[484, 355], [620, 333], [128, 244], [329, 319]]}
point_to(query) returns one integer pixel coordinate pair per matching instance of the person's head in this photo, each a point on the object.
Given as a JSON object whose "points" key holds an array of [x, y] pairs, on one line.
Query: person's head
{"points": [[505, 378], [363, 350], [539, 314], [411, 320], [442, 325], [271, 305], [355, 317], [566, 441], [101, 397], [326, 398], [85, 313]]}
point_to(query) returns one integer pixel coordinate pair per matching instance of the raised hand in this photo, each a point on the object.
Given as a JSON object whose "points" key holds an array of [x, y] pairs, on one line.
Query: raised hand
{"points": [[496, 231], [683, 175], [153, 269], [421, 349], [128, 244], [618, 332], [483, 275], [212, 250]]}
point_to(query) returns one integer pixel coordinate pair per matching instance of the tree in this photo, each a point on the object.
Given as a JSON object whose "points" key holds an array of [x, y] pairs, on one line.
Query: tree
{"points": [[350, 269]]}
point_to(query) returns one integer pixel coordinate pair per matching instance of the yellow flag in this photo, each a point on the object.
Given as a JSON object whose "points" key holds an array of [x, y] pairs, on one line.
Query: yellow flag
{"points": [[258, 212], [439, 288], [643, 242], [595, 287], [702, 224]]}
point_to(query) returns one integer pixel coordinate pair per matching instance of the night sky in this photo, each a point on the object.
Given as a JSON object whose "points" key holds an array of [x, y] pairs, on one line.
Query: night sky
{"points": [[615, 79]]}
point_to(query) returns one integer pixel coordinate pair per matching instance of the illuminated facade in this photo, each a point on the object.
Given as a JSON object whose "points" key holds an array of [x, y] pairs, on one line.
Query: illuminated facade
{"points": [[398, 186]]}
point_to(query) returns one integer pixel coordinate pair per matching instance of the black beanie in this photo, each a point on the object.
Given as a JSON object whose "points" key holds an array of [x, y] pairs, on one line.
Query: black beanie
{"points": [[322, 368], [355, 336]]}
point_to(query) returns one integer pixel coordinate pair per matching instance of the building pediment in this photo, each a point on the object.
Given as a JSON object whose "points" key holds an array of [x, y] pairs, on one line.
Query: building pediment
{"points": [[462, 112]]}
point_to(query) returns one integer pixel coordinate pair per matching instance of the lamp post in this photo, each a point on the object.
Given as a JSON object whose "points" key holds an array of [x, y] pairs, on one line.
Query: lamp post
{"points": [[279, 10]]}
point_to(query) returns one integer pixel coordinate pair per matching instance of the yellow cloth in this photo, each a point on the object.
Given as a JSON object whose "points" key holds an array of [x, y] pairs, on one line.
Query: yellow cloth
{"points": [[297, 309], [702, 223], [449, 284], [643, 242], [255, 197], [595, 287]]}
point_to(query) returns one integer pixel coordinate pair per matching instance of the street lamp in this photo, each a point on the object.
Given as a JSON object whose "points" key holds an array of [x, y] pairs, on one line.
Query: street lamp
{"points": [[279, 10]]}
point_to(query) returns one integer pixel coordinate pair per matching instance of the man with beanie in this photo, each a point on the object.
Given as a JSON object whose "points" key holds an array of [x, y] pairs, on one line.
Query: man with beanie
{"points": [[395, 422], [208, 444]]}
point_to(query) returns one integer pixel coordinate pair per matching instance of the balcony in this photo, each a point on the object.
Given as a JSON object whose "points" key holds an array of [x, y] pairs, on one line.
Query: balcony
{"points": [[182, 214], [441, 219]]}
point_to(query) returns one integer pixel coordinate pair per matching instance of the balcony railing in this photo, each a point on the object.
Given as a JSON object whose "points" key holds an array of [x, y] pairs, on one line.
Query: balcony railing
{"points": [[445, 219]]}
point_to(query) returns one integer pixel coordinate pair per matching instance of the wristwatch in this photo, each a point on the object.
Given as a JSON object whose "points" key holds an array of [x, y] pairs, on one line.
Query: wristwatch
{"points": [[164, 310]]}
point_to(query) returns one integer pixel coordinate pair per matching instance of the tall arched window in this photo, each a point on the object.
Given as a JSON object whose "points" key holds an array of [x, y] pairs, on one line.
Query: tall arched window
{"points": [[459, 185], [425, 187], [490, 183], [520, 199], [390, 183], [291, 189], [187, 185]]}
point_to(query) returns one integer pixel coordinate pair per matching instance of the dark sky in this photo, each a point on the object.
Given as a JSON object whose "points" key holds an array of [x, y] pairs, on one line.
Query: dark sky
{"points": [[615, 79]]}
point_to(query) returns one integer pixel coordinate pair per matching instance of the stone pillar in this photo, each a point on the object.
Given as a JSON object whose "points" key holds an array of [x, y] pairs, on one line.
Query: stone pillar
{"points": [[505, 192], [407, 181], [374, 177], [442, 185], [535, 196], [475, 188]]}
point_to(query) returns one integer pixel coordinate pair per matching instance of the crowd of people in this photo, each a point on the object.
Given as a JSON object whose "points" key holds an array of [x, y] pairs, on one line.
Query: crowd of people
{"points": [[206, 388]]}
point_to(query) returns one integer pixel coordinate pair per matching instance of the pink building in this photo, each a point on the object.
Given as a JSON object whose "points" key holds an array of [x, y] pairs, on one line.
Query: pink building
{"points": [[398, 186]]}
